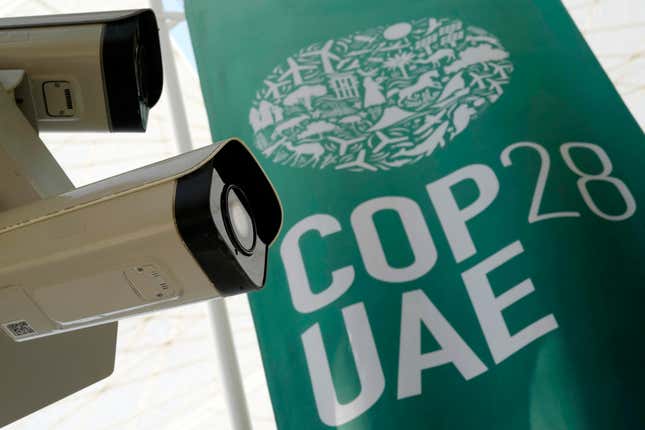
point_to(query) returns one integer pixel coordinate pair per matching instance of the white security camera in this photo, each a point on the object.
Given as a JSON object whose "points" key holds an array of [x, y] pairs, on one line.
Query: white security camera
{"points": [[187, 229], [74, 262], [85, 72]]}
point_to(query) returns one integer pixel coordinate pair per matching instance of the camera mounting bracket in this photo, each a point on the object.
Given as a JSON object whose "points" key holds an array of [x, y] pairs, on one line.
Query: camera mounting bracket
{"points": [[28, 171], [37, 373]]}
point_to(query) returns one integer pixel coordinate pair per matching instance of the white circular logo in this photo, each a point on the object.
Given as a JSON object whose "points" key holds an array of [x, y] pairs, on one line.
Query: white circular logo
{"points": [[380, 98]]}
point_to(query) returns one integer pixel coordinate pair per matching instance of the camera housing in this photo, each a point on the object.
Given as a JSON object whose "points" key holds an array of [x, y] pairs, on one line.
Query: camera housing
{"points": [[191, 228], [85, 72]]}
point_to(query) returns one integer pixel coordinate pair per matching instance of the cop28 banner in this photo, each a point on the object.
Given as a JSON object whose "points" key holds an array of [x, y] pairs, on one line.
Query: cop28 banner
{"points": [[463, 192]]}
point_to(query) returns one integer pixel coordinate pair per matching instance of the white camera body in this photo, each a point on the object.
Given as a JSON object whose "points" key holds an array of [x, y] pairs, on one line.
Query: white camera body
{"points": [[153, 238], [85, 72]]}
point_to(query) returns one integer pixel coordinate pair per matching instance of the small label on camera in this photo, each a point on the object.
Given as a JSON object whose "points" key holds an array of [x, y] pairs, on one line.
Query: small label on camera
{"points": [[19, 329], [149, 283]]}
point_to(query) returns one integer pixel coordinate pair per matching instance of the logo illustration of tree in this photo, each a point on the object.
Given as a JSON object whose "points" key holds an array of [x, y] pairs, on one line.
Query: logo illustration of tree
{"points": [[399, 61]]}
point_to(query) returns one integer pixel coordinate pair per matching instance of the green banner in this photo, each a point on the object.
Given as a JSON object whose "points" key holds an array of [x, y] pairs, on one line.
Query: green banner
{"points": [[463, 229]]}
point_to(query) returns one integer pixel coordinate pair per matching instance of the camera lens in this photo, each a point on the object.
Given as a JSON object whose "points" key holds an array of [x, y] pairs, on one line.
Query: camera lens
{"points": [[238, 219]]}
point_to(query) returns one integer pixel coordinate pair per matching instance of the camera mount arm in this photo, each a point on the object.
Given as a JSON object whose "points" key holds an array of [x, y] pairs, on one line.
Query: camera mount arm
{"points": [[28, 171]]}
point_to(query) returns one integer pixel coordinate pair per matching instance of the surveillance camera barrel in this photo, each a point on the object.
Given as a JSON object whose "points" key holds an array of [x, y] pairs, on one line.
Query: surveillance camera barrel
{"points": [[85, 72], [150, 239]]}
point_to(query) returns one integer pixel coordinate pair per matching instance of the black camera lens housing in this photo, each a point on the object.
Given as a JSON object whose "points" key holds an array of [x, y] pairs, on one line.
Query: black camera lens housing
{"points": [[235, 263], [132, 70]]}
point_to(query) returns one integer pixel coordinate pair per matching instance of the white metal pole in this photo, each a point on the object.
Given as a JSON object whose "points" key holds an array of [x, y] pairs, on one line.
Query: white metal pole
{"points": [[229, 367], [222, 334], [171, 81]]}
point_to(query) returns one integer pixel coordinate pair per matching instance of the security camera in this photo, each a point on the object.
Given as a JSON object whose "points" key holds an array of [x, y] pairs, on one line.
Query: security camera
{"points": [[85, 72], [191, 228]]}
